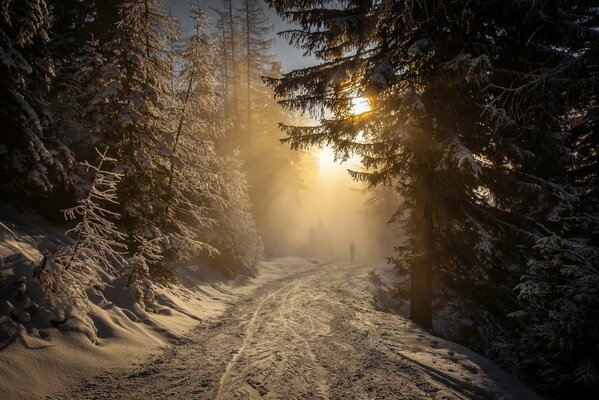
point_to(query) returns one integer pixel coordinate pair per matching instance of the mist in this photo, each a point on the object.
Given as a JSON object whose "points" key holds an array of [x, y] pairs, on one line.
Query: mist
{"points": [[333, 213], [278, 199]]}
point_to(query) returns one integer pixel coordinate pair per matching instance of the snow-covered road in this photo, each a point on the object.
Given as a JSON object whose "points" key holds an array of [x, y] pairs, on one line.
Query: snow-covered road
{"points": [[314, 334]]}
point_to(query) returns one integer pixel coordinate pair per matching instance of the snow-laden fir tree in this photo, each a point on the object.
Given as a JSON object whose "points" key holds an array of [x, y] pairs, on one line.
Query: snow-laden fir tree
{"points": [[70, 28], [132, 111], [194, 180], [69, 32], [224, 80], [149, 253], [257, 44], [32, 160], [215, 186], [470, 173], [97, 248], [74, 106], [213, 199], [76, 51], [558, 343], [230, 54]]}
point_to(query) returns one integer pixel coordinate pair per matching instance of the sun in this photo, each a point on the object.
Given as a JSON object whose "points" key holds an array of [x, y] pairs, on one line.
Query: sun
{"points": [[326, 158], [359, 105]]}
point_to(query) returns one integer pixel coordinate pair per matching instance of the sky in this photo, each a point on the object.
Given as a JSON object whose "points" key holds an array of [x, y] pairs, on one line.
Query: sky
{"points": [[290, 57]]}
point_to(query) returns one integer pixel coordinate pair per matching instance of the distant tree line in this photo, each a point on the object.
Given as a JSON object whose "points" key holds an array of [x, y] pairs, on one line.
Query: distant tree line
{"points": [[275, 174], [484, 118]]}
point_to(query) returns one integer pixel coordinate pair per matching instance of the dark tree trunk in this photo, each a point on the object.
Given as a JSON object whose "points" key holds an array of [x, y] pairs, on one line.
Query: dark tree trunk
{"points": [[421, 295]]}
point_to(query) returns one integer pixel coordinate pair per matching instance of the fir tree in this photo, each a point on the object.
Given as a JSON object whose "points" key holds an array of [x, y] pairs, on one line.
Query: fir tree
{"points": [[230, 53], [194, 180], [257, 59], [32, 160], [558, 342], [70, 28], [236, 238], [559, 293], [471, 174], [132, 110], [225, 76], [148, 255], [77, 97], [76, 51]]}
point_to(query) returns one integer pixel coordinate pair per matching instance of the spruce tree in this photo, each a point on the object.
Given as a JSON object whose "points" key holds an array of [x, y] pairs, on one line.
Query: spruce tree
{"points": [[131, 111], [225, 79], [557, 343], [70, 28], [33, 161], [235, 235], [75, 49], [230, 43], [194, 179], [471, 174]]}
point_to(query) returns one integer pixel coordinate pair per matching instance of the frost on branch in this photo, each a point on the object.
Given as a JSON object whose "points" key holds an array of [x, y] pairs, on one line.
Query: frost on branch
{"points": [[97, 245]]}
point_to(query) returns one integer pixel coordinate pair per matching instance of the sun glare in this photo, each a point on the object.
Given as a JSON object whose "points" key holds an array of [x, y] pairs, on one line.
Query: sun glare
{"points": [[359, 105], [326, 155], [326, 158]]}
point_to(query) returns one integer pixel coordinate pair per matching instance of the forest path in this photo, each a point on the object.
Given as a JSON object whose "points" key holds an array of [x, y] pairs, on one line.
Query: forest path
{"points": [[314, 334]]}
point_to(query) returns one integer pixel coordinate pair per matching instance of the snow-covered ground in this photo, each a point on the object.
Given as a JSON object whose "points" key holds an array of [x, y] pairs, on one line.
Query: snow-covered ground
{"points": [[302, 329], [311, 334], [33, 367]]}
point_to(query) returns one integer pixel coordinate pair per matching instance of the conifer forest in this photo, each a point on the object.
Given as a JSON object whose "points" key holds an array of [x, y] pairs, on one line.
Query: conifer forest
{"points": [[299, 199]]}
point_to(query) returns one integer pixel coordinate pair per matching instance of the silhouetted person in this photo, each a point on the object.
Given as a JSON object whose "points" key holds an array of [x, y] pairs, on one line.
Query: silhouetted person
{"points": [[352, 251]]}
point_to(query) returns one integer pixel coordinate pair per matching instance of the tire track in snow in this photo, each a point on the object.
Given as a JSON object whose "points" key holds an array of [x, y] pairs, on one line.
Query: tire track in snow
{"points": [[250, 331], [284, 306]]}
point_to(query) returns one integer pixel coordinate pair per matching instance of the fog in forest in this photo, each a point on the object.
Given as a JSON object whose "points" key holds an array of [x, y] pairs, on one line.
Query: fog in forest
{"points": [[333, 212], [307, 193]]}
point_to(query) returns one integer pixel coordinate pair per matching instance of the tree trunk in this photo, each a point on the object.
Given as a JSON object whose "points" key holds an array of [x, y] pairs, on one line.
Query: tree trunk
{"points": [[233, 64], [249, 72], [147, 19], [225, 68], [421, 295]]}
